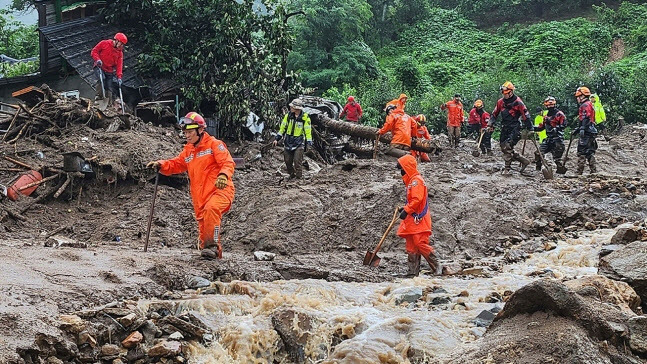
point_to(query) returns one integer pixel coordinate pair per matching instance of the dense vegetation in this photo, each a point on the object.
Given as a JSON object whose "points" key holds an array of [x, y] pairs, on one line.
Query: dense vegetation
{"points": [[430, 53], [17, 41]]}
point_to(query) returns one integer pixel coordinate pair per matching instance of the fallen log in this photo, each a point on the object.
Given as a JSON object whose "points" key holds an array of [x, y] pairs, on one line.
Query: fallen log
{"points": [[369, 132]]}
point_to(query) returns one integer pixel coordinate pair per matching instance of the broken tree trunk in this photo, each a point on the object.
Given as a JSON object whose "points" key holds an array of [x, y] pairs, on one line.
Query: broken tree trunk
{"points": [[369, 132]]}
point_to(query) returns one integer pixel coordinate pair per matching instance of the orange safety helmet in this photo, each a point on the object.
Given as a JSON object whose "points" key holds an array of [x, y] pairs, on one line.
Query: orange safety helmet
{"points": [[550, 102], [582, 90], [420, 118], [507, 87], [351, 98], [192, 120], [121, 37], [478, 104]]}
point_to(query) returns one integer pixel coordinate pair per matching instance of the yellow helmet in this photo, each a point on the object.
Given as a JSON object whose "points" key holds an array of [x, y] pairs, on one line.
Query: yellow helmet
{"points": [[478, 104]]}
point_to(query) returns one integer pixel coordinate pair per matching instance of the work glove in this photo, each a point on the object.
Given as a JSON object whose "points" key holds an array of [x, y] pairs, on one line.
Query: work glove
{"points": [[221, 181], [403, 213], [98, 63], [119, 82], [154, 165]]}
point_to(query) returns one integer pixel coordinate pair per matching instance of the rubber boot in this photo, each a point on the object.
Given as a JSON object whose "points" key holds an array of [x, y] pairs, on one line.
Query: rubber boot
{"points": [[581, 162], [211, 250], [432, 260], [592, 164], [413, 264]]}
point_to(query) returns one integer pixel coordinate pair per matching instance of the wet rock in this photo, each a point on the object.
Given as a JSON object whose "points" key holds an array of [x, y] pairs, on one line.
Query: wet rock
{"points": [[264, 256], [546, 272], [610, 248], [58, 241], [195, 282], [165, 349], [293, 271], [132, 340], [72, 323], [440, 300], [474, 271], [606, 290], [118, 361], [478, 331], [590, 225], [464, 294], [177, 336], [406, 294], [638, 334], [135, 354], [439, 290], [128, 320], [293, 327], [117, 311], [514, 256], [54, 360], [628, 265], [188, 329], [493, 297], [624, 235], [86, 339], [484, 319], [109, 350], [451, 269], [150, 331], [550, 245]]}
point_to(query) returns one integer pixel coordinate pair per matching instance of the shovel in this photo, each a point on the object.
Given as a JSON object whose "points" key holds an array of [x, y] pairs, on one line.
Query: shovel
{"points": [[103, 103], [561, 169], [150, 216], [547, 171], [477, 152], [371, 258], [121, 100]]}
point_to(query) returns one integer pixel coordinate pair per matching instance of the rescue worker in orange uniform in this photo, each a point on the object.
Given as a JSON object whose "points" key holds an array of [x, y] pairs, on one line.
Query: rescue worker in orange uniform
{"points": [[419, 130], [400, 102], [210, 168], [415, 226], [455, 116], [399, 124]]}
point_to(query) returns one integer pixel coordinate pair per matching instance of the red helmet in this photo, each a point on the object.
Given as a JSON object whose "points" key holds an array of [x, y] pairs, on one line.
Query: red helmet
{"points": [[192, 120], [351, 98], [121, 37]]}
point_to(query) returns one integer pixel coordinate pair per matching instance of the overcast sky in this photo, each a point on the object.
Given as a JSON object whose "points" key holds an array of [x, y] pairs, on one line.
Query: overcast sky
{"points": [[27, 18]]}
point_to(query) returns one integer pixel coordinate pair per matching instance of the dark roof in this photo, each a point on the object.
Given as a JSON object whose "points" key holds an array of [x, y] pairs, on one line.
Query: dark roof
{"points": [[75, 39]]}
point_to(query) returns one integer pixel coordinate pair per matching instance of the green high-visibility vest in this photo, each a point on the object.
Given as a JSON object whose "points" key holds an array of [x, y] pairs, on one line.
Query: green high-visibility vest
{"points": [[538, 120]]}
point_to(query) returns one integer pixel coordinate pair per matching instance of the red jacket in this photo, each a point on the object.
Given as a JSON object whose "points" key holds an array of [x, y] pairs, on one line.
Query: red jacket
{"points": [[454, 114], [511, 111], [204, 163], [111, 57], [418, 218], [353, 112], [484, 119], [474, 117], [399, 124], [586, 114], [419, 131]]}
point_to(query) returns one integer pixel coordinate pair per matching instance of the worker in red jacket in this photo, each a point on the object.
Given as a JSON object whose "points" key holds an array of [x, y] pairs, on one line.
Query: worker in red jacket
{"points": [[352, 110], [586, 145], [474, 120], [419, 130], [415, 227], [483, 117], [210, 168], [108, 55]]}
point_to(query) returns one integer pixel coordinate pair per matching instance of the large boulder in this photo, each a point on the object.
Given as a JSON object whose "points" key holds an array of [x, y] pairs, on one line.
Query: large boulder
{"points": [[628, 265], [294, 329]]}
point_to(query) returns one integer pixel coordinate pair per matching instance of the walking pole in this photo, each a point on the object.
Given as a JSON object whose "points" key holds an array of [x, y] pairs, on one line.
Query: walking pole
{"points": [[150, 216]]}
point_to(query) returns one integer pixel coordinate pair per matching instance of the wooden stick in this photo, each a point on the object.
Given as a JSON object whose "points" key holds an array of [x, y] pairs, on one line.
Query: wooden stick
{"points": [[38, 199], [13, 121], [60, 190], [12, 169], [38, 182], [17, 162], [20, 133], [10, 105]]}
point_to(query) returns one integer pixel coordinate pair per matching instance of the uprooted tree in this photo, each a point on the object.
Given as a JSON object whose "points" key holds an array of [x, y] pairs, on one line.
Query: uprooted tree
{"points": [[232, 54]]}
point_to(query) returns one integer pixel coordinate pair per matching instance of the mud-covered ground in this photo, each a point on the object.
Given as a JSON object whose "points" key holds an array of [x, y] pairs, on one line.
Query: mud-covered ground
{"points": [[319, 227]]}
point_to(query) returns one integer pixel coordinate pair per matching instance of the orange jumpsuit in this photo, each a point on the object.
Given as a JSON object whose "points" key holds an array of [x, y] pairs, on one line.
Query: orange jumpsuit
{"points": [[420, 132], [204, 162], [399, 124], [399, 102], [416, 227]]}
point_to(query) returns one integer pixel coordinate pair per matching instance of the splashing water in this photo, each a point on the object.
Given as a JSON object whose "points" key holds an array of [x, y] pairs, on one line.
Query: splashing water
{"points": [[366, 322]]}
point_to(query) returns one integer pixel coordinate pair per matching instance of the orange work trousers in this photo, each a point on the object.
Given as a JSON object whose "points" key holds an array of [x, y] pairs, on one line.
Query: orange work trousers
{"points": [[419, 244], [209, 222]]}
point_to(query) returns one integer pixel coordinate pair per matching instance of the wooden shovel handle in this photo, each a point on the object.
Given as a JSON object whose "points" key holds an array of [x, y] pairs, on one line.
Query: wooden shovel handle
{"points": [[379, 245]]}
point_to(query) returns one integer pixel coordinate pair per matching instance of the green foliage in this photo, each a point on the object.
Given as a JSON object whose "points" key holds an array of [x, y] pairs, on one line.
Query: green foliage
{"points": [[231, 53], [17, 40], [18, 69]]}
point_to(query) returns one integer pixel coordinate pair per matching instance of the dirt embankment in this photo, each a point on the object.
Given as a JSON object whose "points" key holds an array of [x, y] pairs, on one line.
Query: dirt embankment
{"points": [[319, 227]]}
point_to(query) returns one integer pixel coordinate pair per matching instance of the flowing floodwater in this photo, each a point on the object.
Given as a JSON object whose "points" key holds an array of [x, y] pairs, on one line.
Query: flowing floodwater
{"points": [[362, 322]]}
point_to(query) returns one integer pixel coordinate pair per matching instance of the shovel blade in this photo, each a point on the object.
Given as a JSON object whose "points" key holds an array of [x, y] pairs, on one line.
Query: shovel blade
{"points": [[548, 174], [374, 262], [476, 153], [102, 104], [561, 170]]}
